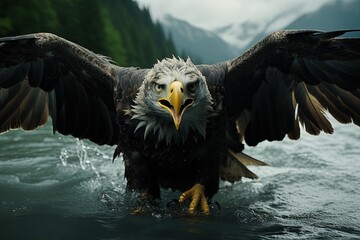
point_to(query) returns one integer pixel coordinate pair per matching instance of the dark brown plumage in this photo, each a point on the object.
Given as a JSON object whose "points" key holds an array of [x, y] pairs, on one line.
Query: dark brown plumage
{"points": [[181, 125]]}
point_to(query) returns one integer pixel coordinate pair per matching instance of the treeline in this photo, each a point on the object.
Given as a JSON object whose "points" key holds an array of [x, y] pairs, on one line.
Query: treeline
{"points": [[115, 28]]}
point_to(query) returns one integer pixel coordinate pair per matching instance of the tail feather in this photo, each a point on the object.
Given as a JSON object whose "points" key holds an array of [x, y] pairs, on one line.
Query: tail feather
{"points": [[234, 167], [246, 159]]}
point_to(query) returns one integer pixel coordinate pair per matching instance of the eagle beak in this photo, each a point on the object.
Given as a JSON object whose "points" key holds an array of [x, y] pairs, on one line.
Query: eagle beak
{"points": [[176, 104]]}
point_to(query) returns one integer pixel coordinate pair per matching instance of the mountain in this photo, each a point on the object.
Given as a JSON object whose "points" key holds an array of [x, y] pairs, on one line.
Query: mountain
{"points": [[201, 45], [230, 41], [239, 35], [339, 14]]}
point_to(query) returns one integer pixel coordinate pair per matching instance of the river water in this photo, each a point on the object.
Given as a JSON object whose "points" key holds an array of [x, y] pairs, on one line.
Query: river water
{"points": [[57, 187]]}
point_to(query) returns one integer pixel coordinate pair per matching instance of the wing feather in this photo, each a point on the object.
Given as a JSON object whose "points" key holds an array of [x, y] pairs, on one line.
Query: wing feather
{"points": [[23, 107], [294, 77], [311, 112], [43, 75], [330, 102]]}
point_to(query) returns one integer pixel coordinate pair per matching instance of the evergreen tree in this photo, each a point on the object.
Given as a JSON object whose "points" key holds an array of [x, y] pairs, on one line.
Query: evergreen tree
{"points": [[118, 29], [27, 16]]}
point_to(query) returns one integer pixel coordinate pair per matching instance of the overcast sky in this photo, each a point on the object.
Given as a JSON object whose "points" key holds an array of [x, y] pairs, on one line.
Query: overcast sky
{"points": [[210, 14]]}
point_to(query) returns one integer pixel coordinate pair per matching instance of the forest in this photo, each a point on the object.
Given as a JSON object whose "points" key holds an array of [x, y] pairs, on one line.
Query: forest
{"points": [[115, 28]]}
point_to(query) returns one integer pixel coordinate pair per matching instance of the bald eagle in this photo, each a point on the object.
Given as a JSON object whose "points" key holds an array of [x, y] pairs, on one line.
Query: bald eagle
{"points": [[179, 125]]}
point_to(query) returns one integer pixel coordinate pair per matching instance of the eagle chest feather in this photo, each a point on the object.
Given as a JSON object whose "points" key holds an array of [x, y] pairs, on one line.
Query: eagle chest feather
{"points": [[193, 156], [133, 139]]}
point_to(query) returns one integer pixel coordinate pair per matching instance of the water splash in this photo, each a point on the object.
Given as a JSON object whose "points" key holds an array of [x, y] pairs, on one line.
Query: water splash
{"points": [[82, 154], [64, 155]]}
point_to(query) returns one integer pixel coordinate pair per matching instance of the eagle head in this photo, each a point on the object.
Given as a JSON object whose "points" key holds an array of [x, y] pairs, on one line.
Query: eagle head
{"points": [[173, 101]]}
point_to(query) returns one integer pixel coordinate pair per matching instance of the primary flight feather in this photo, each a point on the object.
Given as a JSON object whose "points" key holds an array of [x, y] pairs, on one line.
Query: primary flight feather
{"points": [[181, 125]]}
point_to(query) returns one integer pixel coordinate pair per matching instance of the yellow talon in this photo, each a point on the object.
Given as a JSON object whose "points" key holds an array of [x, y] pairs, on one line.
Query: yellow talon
{"points": [[197, 193], [137, 211]]}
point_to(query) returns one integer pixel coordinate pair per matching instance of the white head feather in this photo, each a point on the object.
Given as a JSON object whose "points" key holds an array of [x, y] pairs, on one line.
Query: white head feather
{"points": [[155, 119]]}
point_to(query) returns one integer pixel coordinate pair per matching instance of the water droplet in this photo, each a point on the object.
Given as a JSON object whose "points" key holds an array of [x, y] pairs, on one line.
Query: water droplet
{"points": [[64, 155]]}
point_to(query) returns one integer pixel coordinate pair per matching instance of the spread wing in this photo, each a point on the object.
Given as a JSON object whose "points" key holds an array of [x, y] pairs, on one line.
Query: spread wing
{"points": [[43, 75], [293, 77]]}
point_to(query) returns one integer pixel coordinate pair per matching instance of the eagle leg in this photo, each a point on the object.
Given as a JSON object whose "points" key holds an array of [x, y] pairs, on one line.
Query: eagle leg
{"points": [[197, 195], [145, 203], [141, 179]]}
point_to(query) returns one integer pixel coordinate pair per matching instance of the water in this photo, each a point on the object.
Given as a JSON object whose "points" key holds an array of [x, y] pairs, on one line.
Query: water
{"points": [[57, 187]]}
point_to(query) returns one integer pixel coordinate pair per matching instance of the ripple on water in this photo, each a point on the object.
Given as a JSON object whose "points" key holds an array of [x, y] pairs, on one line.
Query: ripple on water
{"points": [[310, 190]]}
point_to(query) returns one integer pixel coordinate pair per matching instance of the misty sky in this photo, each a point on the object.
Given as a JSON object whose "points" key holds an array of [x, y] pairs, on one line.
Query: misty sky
{"points": [[211, 14]]}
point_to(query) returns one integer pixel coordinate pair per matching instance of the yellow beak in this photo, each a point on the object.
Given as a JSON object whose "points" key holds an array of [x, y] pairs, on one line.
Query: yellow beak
{"points": [[176, 103]]}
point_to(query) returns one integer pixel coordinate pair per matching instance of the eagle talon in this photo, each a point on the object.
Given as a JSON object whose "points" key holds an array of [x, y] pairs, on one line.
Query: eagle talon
{"points": [[137, 211], [197, 195], [145, 204]]}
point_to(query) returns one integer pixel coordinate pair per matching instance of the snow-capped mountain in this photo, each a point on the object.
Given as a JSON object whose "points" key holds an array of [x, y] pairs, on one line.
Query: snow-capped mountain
{"points": [[239, 35], [336, 15], [230, 41], [201, 45]]}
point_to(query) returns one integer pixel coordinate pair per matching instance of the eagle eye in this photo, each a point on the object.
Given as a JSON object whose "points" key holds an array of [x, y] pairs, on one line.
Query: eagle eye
{"points": [[192, 87], [158, 88]]}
